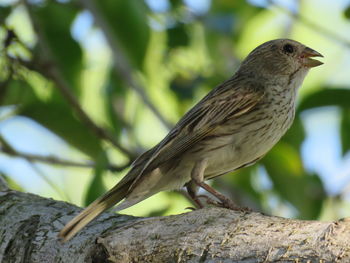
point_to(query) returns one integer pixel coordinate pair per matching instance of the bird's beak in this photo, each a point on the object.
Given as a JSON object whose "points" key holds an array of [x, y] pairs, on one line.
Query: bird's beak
{"points": [[306, 58]]}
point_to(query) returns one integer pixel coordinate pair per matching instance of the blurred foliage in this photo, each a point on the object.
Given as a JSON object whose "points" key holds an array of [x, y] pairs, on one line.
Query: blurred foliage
{"points": [[347, 12], [68, 127], [301, 189], [56, 55], [11, 183], [53, 21], [96, 187], [128, 20]]}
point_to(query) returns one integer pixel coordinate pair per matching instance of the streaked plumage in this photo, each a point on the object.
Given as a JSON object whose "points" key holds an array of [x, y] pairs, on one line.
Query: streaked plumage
{"points": [[235, 125]]}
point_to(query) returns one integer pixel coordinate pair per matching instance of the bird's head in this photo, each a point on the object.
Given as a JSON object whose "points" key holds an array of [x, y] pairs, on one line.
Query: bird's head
{"points": [[281, 57]]}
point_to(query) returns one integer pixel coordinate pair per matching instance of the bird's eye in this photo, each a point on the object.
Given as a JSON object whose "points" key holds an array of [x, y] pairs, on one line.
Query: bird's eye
{"points": [[288, 48]]}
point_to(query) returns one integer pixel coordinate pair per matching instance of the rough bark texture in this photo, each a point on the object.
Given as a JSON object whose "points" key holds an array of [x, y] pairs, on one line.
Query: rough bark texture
{"points": [[29, 225]]}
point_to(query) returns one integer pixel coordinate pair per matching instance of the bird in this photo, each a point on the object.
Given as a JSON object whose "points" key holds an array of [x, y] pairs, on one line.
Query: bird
{"points": [[232, 127]]}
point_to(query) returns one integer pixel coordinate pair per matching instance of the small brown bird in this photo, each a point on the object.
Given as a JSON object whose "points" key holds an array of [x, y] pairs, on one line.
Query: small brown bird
{"points": [[232, 127]]}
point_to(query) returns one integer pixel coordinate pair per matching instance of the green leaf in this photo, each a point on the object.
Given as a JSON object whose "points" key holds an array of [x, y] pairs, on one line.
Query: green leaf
{"points": [[296, 134], [305, 192], [16, 92], [176, 4], [347, 12], [326, 97], [345, 130], [177, 36], [129, 23], [96, 187], [4, 12], [159, 212], [59, 119], [184, 88], [115, 93], [55, 20], [332, 97], [241, 182]]}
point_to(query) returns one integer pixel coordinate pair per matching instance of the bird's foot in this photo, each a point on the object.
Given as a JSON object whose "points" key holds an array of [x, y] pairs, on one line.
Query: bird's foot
{"points": [[199, 203], [228, 204]]}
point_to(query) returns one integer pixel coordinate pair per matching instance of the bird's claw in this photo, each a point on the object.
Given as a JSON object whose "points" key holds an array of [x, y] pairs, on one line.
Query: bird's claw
{"points": [[229, 204], [232, 206], [224, 203]]}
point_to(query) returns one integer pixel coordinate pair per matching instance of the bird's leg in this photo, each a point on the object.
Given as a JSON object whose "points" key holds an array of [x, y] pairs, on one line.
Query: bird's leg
{"points": [[192, 189], [197, 176]]}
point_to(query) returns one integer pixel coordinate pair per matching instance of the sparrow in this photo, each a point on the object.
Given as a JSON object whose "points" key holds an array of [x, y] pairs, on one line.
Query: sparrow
{"points": [[232, 127]]}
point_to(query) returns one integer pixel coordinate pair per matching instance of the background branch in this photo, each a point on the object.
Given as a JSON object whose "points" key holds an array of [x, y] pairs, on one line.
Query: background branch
{"points": [[315, 27], [9, 150], [51, 71], [121, 62]]}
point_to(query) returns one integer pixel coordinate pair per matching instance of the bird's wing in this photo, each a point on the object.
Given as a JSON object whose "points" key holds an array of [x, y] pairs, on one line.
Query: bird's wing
{"points": [[227, 101]]}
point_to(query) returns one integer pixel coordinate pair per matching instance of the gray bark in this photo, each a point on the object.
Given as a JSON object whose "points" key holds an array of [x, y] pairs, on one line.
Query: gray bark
{"points": [[29, 225]]}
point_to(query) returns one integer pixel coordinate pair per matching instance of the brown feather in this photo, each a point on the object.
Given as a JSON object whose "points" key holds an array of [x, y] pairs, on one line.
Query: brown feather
{"points": [[113, 196], [221, 104]]}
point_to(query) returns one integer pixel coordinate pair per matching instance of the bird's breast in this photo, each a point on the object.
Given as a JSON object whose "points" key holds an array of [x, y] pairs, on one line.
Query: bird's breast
{"points": [[243, 140]]}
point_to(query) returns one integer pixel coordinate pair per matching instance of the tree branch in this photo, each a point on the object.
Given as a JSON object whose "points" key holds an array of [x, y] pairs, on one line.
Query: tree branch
{"points": [[9, 150], [29, 225], [52, 72], [317, 28]]}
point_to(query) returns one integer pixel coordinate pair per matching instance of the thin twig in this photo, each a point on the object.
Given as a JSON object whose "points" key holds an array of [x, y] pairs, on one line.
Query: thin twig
{"points": [[53, 73], [9, 150], [121, 62], [317, 28], [62, 85]]}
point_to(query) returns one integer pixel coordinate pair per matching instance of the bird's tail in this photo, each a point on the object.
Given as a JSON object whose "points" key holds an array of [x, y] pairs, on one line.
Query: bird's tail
{"points": [[113, 196]]}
